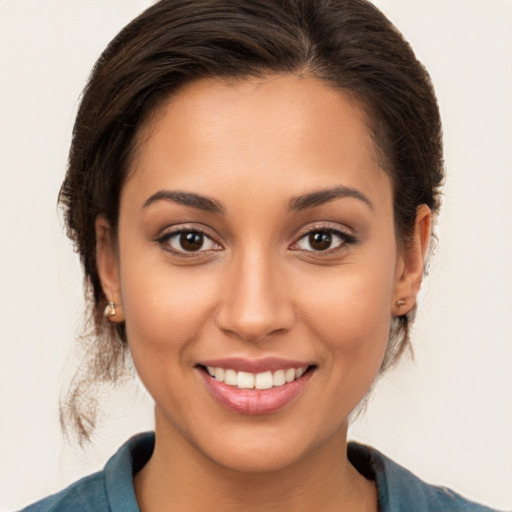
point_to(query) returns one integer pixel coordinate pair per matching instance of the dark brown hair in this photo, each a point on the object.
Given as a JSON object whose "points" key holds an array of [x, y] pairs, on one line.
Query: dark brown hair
{"points": [[348, 44]]}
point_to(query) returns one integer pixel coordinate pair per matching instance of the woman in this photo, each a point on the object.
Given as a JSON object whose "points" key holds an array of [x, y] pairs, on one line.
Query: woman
{"points": [[251, 188]]}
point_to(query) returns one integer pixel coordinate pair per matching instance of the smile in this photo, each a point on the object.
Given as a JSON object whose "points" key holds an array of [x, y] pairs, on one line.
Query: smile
{"points": [[255, 387], [262, 380]]}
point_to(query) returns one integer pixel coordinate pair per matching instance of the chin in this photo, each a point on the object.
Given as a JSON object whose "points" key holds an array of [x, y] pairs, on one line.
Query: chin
{"points": [[256, 459], [272, 448]]}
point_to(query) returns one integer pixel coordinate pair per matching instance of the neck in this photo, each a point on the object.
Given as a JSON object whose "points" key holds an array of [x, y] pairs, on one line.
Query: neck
{"points": [[178, 477]]}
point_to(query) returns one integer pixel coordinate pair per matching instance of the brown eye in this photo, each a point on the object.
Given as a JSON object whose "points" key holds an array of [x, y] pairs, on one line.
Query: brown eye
{"points": [[188, 242], [320, 240], [191, 241], [324, 240]]}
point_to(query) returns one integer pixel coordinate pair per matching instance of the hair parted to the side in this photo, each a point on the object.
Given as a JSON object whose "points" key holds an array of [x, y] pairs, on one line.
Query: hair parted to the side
{"points": [[348, 44]]}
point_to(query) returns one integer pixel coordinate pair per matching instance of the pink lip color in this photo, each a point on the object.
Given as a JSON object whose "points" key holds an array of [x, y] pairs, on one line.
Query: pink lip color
{"points": [[253, 401]]}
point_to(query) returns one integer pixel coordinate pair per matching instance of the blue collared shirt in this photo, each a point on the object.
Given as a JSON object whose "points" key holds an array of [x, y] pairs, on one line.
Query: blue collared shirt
{"points": [[111, 490]]}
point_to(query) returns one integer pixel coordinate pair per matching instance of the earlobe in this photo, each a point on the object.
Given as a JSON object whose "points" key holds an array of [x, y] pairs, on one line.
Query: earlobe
{"points": [[411, 263], [108, 271]]}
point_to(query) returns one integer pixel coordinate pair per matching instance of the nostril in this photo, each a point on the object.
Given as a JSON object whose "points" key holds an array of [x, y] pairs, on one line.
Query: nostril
{"points": [[255, 304], [257, 324]]}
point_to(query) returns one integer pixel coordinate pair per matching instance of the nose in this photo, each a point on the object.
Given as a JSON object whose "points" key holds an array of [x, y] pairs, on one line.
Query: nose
{"points": [[255, 303]]}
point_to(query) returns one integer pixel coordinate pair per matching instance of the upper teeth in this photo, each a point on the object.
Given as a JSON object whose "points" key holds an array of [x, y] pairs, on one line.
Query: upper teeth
{"points": [[264, 380]]}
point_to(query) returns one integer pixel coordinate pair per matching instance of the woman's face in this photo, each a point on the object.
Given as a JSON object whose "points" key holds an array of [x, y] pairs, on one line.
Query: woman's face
{"points": [[256, 238]]}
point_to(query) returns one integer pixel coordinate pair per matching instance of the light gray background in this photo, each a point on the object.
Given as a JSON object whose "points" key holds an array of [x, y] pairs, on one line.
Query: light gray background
{"points": [[447, 416]]}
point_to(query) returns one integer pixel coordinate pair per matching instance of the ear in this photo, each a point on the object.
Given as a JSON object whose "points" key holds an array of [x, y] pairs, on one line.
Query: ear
{"points": [[410, 264], [108, 268]]}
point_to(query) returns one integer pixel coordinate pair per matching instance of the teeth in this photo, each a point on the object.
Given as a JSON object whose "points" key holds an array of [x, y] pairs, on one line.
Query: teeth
{"points": [[264, 380], [299, 372], [290, 375], [219, 374], [230, 378], [245, 380], [278, 379]]}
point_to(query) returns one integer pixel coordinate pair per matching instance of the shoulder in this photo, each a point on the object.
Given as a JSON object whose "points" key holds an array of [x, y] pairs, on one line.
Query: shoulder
{"points": [[110, 490], [85, 495], [401, 491]]}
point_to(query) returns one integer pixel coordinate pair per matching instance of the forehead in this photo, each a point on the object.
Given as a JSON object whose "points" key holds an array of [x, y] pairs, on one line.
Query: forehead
{"points": [[294, 129]]}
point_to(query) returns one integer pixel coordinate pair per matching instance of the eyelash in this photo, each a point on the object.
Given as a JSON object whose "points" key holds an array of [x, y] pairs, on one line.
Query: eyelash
{"points": [[165, 241], [346, 239]]}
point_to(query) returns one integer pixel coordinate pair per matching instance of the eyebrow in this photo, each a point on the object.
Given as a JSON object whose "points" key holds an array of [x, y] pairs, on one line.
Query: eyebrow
{"points": [[191, 199], [321, 197], [303, 202]]}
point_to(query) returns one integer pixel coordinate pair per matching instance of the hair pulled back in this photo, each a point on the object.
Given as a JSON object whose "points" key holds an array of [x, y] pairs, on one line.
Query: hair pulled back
{"points": [[348, 44]]}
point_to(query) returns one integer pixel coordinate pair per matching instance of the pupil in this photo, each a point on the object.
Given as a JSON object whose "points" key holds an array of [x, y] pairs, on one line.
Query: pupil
{"points": [[321, 240], [191, 241]]}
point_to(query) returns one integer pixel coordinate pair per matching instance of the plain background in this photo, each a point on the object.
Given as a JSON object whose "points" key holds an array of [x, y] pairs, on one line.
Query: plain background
{"points": [[447, 416]]}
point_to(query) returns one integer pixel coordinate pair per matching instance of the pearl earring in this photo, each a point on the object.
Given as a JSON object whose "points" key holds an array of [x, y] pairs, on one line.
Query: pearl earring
{"points": [[110, 310], [401, 302]]}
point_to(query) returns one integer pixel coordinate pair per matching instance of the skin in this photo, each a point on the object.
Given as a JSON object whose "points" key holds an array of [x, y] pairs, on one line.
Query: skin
{"points": [[258, 289]]}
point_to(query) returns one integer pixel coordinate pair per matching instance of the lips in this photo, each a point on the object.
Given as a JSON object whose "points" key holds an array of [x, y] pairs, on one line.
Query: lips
{"points": [[255, 387]]}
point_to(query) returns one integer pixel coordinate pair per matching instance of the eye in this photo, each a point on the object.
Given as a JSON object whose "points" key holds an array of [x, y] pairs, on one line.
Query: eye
{"points": [[323, 240], [189, 241]]}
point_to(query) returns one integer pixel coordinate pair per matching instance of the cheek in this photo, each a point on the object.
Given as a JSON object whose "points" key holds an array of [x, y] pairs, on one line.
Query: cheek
{"points": [[166, 315], [354, 328], [349, 309], [355, 322], [165, 307]]}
